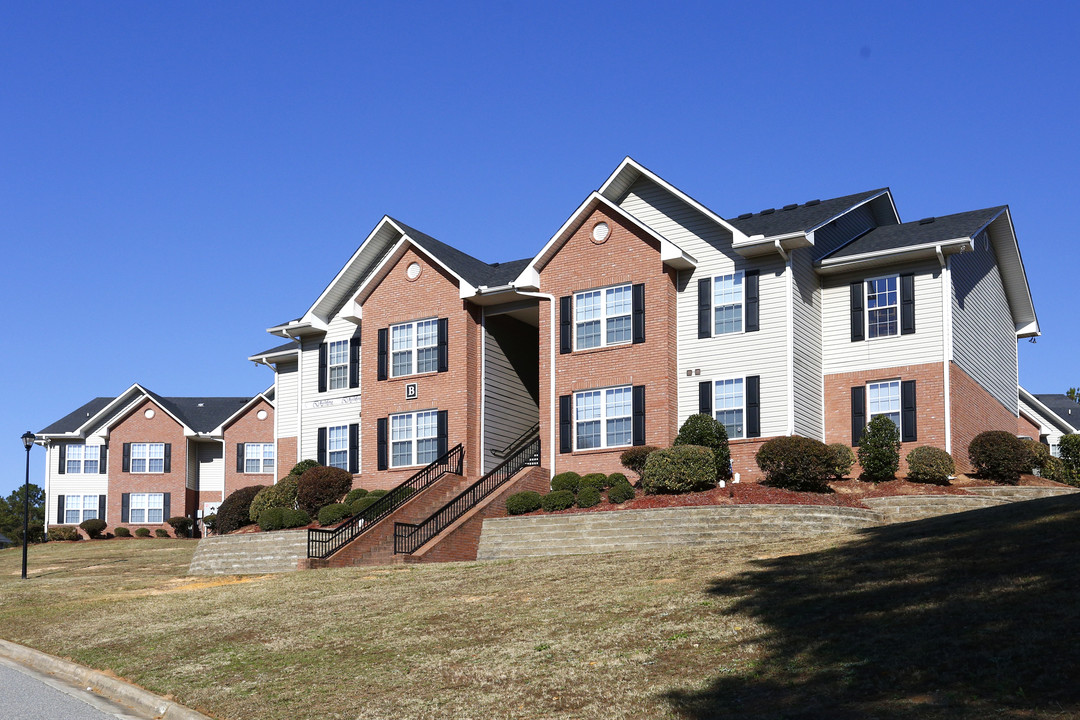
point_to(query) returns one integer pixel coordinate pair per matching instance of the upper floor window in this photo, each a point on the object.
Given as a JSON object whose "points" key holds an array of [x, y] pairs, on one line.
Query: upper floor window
{"points": [[729, 406], [147, 508], [147, 457], [82, 459], [603, 317], [80, 507], [337, 446], [414, 438], [603, 418], [258, 457], [884, 399], [882, 303], [414, 347], [339, 364], [728, 303]]}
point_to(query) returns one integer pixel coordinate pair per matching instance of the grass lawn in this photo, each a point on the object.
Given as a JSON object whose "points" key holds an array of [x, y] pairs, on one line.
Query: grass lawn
{"points": [[972, 616]]}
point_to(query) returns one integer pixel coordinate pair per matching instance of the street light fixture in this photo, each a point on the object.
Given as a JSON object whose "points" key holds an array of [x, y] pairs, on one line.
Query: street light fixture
{"points": [[28, 442]]}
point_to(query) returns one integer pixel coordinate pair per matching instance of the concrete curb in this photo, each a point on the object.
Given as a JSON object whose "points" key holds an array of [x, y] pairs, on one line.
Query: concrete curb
{"points": [[114, 689]]}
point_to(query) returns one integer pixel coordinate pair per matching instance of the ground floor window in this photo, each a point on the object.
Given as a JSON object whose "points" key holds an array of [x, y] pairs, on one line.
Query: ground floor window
{"points": [[258, 457], [884, 399], [729, 406], [337, 439], [603, 418], [80, 507], [147, 508], [414, 438]]}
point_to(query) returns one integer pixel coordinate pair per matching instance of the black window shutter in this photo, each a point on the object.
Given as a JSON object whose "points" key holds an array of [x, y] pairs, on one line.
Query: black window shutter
{"points": [[638, 297], [240, 457], [125, 507], [323, 364], [907, 304], [704, 308], [858, 414], [443, 432], [101, 507], [354, 448], [168, 457], [565, 325], [103, 460], [639, 414], [908, 415], [166, 506], [566, 427], [354, 362], [62, 449], [380, 432], [856, 311], [705, 392], [384, 340], [444, 347], [321, 446], [753, 406], [60, 509], [750, 290], [126, 466]]}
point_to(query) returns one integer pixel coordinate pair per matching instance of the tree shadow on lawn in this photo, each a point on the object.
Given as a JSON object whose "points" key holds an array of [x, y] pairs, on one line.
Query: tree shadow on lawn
{"points": [[969, 615]]}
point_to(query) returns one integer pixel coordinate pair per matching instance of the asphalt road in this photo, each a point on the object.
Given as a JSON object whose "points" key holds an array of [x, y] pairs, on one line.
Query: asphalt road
{"points": [[26, 694]]}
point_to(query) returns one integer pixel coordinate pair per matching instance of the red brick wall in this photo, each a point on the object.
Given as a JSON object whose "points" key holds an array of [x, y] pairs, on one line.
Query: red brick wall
{"points": [[244, 429], [627, 256], [974, 410], [286, 456], [1026, 428], [743, 460]]}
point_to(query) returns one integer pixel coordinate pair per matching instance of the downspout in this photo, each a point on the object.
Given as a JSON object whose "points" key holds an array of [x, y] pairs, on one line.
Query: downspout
{"points": [[551, 369], [790, 276], [946, 341]]}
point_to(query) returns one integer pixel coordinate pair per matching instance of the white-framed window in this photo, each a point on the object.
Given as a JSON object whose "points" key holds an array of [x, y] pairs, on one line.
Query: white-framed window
{"points": [[258, 457], [602, 317], [414, 348], [1055, 450], [80, 507], [146, 508], [883, 398], [147, 457], [882, 306], [338, 365], [82, 459], [337, 446], [728, 303], [603, 418], [729, 406], [414, 438]]}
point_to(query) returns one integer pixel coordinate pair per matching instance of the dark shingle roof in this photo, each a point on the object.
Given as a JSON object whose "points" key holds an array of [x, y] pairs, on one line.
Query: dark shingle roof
{"points": [[74, 420], [1062, 405], [291, 345], [920, 232], [201, 414], [475, 272], [799, 218]]}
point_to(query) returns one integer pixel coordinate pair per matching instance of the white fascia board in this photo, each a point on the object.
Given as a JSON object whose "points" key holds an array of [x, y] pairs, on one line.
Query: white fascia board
{"points": [[1014, 277], [1035, 404], [385, 259], [836, 265], [760, 245], [137, 398], [856, 205], [292, 330], [268, 357], [103, 412]]}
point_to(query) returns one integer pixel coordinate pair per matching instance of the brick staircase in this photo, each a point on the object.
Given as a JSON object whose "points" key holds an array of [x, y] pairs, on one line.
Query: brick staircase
{"points": [[249, 554]]}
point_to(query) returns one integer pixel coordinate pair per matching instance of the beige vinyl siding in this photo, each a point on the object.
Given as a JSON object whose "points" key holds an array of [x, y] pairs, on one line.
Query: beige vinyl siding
{"points": [[314, 418], [68, 484], [285, 398], [925, 345], [807, 351], [984, 338], [509, 409], [210, 462], [763, 353], [192, 466]]}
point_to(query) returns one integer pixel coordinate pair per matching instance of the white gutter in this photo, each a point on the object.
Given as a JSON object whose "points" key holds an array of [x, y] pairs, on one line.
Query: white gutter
{"points": [[551, 381], [937, 247]]}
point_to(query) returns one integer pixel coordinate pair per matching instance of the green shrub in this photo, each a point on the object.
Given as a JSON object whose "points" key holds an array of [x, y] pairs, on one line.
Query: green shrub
{"points": [[210, 521], [376, 494], [620, 493], [557, 500], [796, 463], [295, 518], [566, 481], [707, 431], [161, 532], [334, 513], [321, 486], [180, 525], [93, 527], [1069, 454], [680, 469], [123, 532], [523, 502], [595, 480], [634, 458], [272, 519], [1055, 470], [999, 455], [879, 450], [234, 511], [616, 478], [281, 494], [930, 465], [302, 467], [143, 532], [843, 459], [1037, 455], [359, 506], [354, 495], [64, 532], [588, 496]]}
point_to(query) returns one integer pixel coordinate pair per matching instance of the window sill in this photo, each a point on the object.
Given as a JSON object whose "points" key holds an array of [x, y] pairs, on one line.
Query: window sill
{"points": [[605, 348], [411, 377], [598, 451]]}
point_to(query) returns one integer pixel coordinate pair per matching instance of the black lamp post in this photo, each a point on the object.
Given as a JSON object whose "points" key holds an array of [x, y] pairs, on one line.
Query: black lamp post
{"points": [[28, 442]]}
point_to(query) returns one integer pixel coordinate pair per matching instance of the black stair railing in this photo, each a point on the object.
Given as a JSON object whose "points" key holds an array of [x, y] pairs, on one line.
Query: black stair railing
{"points": [[517, 443], [324, 543], [408, 538]]}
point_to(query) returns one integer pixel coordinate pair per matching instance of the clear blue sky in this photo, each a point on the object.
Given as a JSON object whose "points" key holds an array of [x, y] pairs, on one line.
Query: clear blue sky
{"points": [[177, 177]]}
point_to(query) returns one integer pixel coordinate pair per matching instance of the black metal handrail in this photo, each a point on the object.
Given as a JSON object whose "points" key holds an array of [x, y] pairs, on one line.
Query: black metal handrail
{"points": [[517, 443], [408, 538], [324, 543]]}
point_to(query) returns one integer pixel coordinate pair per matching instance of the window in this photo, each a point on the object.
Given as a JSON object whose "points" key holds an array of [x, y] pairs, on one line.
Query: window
{"points": [[147, 457], [414, 438], [147, 508], [884, 399], [729, 407], [414, 348], [603, 418], [337, 440], [82, 459], [258, 457], [1055, 450], [728, 303], [602, 317], [881, 307], [339, 364], [80, 507]]}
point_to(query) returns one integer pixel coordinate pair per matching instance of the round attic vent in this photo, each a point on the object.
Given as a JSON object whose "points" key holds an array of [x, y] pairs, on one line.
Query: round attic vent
{"points": [[149, 413], [261, 414], [413, 271], [600, 232]]}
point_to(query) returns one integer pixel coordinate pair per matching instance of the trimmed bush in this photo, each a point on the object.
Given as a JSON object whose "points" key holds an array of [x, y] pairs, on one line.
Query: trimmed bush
{"points": [[843, 459], [321, 486], [334, 513], [620, 493], [302, 467], [595, 480], [557, 500], [1038, 455], [145, 532], [161, 532], [376, 494], [234, 512], [879, 450], [523, 502], [930, 465], [999, 455], [616, 478], [64, 532], [681, 469], [566, 481], [796, 463], [359, 506], [354, 495], [281, 494], [180, 525], [93, 527], [272, 519], [634, 458], [1069, 453], [707, 431], [123, 532], [295, 518], [588, 496], [1056, 470]]}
